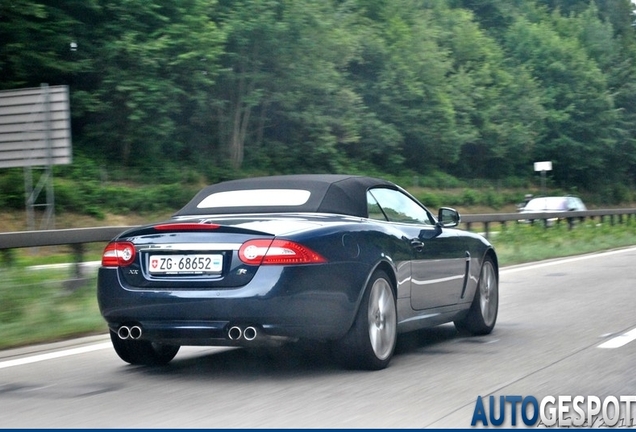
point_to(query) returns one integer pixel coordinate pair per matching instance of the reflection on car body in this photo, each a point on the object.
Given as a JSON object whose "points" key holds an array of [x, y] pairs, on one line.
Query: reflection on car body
{"points": [[347, 260]]}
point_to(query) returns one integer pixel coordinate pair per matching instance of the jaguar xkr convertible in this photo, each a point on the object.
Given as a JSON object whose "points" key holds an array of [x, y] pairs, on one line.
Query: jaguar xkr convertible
{"points": [[348, 261]]}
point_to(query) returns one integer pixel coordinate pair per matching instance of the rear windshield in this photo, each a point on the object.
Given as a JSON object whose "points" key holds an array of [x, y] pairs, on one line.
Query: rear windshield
{"points": [[257, 197]]}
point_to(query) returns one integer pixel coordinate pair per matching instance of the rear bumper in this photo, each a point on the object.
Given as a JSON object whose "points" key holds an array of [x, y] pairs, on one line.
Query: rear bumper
{"points": [[280, 303], [219, 333]]}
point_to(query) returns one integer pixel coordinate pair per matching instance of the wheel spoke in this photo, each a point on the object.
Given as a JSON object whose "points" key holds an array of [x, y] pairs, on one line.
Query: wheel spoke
{"points": [[375, 337]]}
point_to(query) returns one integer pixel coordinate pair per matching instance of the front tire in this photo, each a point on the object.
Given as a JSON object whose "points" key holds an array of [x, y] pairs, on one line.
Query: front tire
{"points": [[482, 314], [142, 352], [371, 341]]}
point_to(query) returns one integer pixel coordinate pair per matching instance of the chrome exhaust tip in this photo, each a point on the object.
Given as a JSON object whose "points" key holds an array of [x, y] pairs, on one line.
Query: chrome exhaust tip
{"points": [[135, 332], [250, 333], [234, 333], [123, 332]]}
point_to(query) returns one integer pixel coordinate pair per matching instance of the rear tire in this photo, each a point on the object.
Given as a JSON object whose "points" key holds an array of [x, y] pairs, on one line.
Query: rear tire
{"points": [[142, 352], [370, 342], [482, 314]]}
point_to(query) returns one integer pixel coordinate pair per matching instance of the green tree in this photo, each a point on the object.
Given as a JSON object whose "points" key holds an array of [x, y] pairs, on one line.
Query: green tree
{"points": [[402, 77], [609, 40], [580, 109], [155, 64], [477, 88], [499, 101], [281, 95], [36, 41]]}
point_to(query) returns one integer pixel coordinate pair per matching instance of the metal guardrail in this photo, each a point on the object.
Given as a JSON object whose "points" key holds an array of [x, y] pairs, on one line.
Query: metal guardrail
{"points": [[72, 236], [614, 215], [75, 236]]}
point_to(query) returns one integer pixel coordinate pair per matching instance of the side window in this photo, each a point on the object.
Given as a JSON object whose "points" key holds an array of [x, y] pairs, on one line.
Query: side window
{"points": [[572, 204], [396, 207], [373, 208]]}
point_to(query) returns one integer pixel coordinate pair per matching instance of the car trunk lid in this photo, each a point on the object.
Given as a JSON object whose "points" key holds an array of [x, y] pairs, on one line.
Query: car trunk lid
{"points": [[200, 253]]}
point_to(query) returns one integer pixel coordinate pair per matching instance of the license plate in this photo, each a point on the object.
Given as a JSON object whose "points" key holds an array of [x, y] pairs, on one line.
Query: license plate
{"points": [[185, 264]]}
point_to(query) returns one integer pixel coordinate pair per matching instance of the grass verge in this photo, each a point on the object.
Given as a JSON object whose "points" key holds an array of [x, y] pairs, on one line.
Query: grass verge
{"points": [[39, 306], [521, 243]]}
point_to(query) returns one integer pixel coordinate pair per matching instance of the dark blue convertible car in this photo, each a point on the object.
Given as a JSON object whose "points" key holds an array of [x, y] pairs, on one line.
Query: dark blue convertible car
{"points": [[347, 260]]}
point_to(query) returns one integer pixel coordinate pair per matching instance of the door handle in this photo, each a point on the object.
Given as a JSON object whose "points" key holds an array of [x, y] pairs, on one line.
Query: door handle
{"points": [[417, 244]]}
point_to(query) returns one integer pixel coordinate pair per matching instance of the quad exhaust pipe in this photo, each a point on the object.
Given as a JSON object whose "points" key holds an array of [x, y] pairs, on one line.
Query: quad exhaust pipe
{"points": [[248, 333], [235, 333], [132, 332]]}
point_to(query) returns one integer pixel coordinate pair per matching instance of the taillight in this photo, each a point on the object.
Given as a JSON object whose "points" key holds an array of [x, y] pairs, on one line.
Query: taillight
{"points": [[272, 252], [118, 254]]}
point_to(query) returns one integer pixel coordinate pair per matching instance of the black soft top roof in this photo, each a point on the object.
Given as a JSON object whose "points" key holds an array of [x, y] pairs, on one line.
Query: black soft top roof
{"points": [[330, 193]]}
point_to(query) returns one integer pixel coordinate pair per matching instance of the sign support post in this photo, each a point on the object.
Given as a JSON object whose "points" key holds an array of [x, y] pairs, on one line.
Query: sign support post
{"points": [[543, 167]]}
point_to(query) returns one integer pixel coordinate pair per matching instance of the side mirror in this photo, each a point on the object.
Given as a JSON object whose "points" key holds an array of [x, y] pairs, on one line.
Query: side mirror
{"points": [[448, 217]]}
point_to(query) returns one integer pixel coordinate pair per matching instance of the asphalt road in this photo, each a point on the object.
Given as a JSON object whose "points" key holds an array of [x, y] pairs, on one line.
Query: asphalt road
{"points": [[553, 318]]}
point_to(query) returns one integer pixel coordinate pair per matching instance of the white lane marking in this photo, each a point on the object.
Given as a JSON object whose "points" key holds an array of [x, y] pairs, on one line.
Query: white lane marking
{"points": [[93, 265], [54, 355], [620, 340], [522, 267]]}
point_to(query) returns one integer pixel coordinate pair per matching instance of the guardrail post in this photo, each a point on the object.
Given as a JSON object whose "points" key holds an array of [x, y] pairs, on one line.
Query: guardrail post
{"points": [[78, 256], [78, 279], [486, 229]]}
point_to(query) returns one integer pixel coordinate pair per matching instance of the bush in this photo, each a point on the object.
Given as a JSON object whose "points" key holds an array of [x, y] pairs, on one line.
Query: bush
{"points": [[621, 194], [440, 180], [82, 169], [86, 187], [431, 200], [470, 198], [493, 199], [69, 196], [12, 187]]}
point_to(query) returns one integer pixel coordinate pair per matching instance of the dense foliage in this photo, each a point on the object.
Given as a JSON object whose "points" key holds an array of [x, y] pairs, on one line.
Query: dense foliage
{"points": [[470, 88]]}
